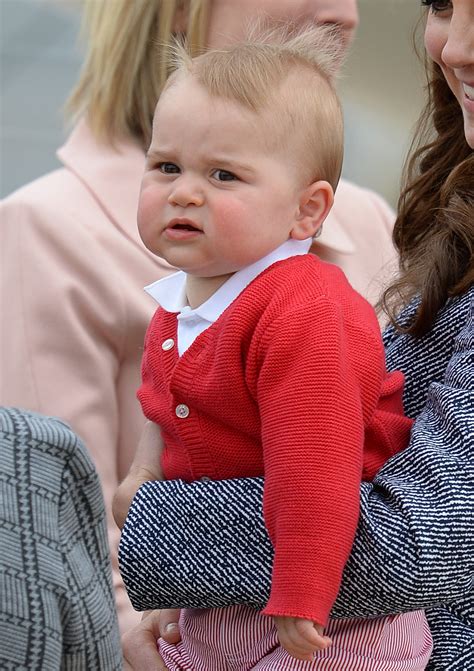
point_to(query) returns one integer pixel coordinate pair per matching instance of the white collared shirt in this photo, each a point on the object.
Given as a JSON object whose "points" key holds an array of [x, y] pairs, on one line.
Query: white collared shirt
{"points": [[170, 293]]}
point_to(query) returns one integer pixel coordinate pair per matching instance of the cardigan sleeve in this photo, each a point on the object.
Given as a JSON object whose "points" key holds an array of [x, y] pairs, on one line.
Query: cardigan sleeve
{"points": [[312, 407], [414, 544]]}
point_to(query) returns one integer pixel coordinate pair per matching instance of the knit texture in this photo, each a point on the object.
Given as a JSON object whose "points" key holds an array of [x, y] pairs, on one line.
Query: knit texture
{"points": [[297, 334], [414, 546], [57, 606]]}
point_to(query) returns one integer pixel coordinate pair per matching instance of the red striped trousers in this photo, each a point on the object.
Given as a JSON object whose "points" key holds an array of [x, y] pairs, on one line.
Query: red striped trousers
{"points": [[240, 639]]}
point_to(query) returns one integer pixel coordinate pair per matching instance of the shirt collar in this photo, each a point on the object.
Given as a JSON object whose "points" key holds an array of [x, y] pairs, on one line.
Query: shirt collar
{"points": [[170, 291]]}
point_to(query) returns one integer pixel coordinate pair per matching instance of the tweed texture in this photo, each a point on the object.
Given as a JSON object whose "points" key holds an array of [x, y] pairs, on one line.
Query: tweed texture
{"points": [[414, 546], [57, 607]]}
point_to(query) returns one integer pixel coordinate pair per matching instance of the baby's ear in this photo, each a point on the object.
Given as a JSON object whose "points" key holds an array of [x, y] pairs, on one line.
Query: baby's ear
{"points": [[314, 205]]}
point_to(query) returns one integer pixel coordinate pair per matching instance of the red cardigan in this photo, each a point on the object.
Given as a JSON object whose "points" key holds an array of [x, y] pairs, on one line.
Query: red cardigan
{"points": [[290, 383]]}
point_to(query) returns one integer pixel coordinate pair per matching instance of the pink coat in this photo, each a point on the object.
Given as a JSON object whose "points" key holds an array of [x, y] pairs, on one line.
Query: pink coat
{"points": [[73, 309]]}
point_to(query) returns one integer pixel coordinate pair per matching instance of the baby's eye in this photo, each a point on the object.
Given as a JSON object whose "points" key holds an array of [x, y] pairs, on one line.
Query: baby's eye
{"points": [[168, 168], [224, 175]]}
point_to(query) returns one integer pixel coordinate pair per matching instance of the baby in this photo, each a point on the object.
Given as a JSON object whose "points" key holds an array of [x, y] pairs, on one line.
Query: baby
{"points": [[262, 360]]}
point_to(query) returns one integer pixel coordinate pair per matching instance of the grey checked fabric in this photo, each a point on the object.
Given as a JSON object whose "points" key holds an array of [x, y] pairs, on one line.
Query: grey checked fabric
{"points": [[57, 607]]}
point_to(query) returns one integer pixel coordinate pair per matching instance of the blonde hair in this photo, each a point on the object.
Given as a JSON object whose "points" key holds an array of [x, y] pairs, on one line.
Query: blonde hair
{"points": [[288, 74], [127, 62]]}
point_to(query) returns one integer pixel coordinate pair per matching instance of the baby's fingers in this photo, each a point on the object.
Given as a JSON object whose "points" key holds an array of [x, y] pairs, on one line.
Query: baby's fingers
{"points": [[299, 638], [313, 634], [292, 640]]}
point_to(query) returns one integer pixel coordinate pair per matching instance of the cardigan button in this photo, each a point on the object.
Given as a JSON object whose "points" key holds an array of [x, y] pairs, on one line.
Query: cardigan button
{"points": [[182, 411], [167, 344], [205, 478]]}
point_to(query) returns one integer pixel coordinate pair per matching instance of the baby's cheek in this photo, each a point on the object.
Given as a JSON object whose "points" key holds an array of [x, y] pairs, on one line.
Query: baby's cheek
{"points": [[147, 213], [231, 217], [147, 204], [149, 207]]}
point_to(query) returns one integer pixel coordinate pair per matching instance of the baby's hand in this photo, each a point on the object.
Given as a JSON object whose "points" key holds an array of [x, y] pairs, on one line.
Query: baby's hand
{"points": [[146, 466], [301, 638]]}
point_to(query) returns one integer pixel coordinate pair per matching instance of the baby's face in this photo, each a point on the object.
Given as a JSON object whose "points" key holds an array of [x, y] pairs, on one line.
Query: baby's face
{"points": [[217, 194]]}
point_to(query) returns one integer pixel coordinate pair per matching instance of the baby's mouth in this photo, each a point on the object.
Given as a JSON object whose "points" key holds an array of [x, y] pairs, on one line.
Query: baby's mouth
{"points": [[183, 225], [181, 229]]}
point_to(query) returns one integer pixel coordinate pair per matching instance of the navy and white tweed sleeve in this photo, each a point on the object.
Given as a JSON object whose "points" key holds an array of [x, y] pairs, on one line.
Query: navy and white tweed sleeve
{"points": [[200, 545]]}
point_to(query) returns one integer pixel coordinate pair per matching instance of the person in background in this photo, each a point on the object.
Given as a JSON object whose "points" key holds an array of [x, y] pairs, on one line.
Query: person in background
{"points": [[73, 267], [414, 547], [56, 596]]}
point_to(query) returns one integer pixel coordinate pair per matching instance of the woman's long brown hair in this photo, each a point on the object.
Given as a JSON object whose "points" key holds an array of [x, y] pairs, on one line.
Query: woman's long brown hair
{"points": [[434, 228]]}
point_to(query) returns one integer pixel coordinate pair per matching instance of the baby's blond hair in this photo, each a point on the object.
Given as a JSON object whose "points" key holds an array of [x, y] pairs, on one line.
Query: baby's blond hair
{"points": [[289, 77]]}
